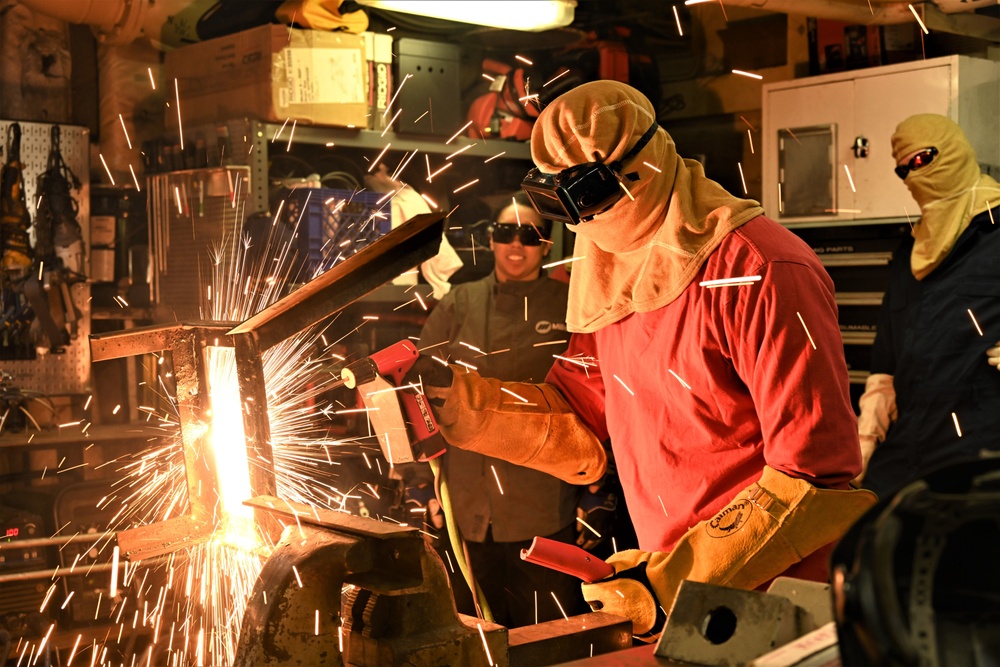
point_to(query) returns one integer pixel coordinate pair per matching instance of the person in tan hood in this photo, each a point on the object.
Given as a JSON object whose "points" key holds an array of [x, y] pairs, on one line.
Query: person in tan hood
{"points": [[705, 345], [932, 398]]}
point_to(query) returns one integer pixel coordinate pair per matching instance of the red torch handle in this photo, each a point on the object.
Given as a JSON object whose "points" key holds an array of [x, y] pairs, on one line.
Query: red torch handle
{"points": [[568, 559]]}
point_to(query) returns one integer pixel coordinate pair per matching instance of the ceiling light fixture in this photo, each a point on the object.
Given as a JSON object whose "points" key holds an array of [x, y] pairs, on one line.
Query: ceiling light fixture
{"points": [[531, 16]]}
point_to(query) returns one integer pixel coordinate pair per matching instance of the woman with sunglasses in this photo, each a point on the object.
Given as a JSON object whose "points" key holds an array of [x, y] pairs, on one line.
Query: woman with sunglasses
{"points": [[932, 398]]}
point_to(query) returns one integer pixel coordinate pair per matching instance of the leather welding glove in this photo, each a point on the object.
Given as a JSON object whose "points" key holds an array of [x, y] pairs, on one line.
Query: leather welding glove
{"points": [[878, 412], [530, 425], [993, 356], [771, 525]]}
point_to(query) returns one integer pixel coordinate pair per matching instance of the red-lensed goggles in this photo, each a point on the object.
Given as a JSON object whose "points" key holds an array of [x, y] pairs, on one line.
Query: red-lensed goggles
{"points": [[921, 159]]}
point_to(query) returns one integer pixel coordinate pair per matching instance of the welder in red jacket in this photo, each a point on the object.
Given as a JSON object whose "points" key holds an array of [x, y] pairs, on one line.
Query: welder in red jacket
{"points": [[706, 347]]}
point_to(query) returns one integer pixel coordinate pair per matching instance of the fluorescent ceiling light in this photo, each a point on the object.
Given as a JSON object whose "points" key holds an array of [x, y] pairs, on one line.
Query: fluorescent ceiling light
{"points": [[530, 15]]}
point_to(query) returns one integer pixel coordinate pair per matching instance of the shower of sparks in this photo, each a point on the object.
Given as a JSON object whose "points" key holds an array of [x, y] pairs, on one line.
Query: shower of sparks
{"points": [[106, 169], [811, 342], [678, 377], [508, 391], [748, 74], [563, 261], [497, 478], [524, 60], [742, 179], [677, 18], [180, 126], [850, 179], [958, 429], [969, 310], [654, 168], [622, 382], [125, 130], [922, 26], [588, 527], [489, 658], [197, 596], [729, 282]]}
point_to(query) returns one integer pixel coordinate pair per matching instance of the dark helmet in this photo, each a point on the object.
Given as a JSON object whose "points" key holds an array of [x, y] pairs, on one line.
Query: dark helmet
{"points": [[916, 581]]}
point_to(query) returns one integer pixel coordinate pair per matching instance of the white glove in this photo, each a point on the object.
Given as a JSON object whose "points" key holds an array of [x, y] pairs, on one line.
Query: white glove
{"points": [[868, 445], [993, 356]]}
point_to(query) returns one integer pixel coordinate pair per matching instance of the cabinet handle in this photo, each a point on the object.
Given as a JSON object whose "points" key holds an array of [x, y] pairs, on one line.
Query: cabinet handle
{"points": [[860, 146]]}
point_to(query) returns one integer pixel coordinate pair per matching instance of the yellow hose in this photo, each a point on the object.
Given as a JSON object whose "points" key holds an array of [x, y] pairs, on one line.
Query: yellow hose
{"points": [[457, 548]]}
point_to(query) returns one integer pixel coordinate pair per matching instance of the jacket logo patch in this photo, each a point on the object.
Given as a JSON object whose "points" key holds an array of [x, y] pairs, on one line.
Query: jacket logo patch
{"points": [[730, 519], [544, 326]]}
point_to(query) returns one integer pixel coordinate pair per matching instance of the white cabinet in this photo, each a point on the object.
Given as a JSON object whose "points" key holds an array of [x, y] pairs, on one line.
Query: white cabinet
{"points": [[827, 157]]}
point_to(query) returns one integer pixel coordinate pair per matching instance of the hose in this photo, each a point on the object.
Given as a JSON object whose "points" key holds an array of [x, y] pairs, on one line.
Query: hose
{"points": [[457, 544]]}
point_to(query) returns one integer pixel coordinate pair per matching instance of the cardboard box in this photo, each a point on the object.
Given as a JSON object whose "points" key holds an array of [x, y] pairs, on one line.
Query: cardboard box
{"points": [[274, 74]]}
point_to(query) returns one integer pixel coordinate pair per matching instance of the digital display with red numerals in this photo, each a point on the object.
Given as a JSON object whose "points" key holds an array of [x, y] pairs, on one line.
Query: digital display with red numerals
{"points": [[12, 532]]}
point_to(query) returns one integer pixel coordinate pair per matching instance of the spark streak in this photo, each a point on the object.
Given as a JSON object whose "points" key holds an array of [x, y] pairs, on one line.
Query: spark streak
{"points": [[497, 478], [683, 383], [125, 130], [588, 527], [523, 60], [561, 610], [850, 179], [677, 19], [976, 323], [106, 169], [563, 261], [811, 342], [958, 429], [180, 125], [623, 384], [460, 130], [489, 658], [725, 282], [508, 391], [654, 168], [376, 160], [748, 74], [922, 26], [744, 180], [462, 187]]}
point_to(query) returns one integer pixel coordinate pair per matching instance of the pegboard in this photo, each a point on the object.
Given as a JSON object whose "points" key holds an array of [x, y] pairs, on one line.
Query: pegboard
{"points": [[59, 374], [69, 371], [74, 143]]}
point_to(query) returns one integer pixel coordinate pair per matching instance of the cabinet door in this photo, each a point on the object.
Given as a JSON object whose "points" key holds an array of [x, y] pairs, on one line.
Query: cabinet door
{"points": [[808, 110], [881, 103]]}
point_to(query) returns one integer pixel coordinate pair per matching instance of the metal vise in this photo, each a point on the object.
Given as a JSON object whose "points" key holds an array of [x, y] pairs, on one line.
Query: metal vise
{"points": [[340, 589]]}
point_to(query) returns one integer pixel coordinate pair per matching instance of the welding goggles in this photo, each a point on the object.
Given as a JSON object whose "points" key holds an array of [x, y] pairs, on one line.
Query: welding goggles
{"points": [[579, 193], [921, 159], [506, 232]]}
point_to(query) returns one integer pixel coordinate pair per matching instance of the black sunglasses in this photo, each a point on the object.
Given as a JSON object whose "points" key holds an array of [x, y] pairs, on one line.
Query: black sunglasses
{"points": [[507, 232], [921, 159]]}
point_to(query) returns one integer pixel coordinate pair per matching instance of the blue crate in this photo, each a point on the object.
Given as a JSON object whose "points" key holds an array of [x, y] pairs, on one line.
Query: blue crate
{"points": [[332, 224]]}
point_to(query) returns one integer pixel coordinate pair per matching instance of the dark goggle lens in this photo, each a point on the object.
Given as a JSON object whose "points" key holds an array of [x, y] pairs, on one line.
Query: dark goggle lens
{"points": [[921, 159], [506, 233]]}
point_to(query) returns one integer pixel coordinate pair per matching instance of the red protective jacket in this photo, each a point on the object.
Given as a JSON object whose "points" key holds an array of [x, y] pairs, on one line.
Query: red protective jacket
{"points": [[699, 395]]}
